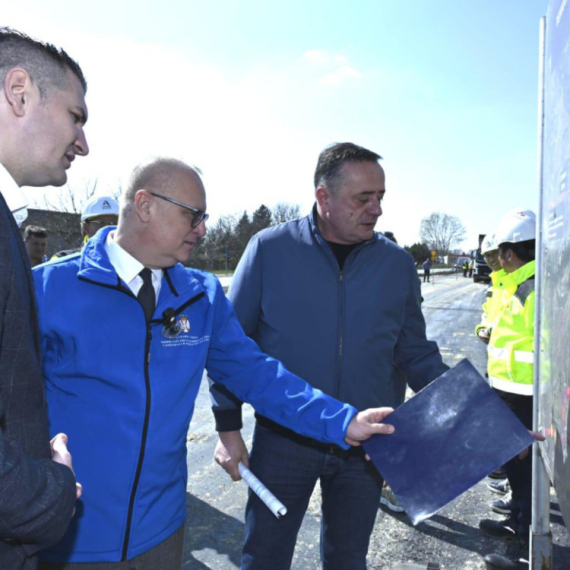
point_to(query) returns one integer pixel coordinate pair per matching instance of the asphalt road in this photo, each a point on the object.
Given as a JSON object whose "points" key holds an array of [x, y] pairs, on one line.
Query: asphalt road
{"points": [[215, 527]]}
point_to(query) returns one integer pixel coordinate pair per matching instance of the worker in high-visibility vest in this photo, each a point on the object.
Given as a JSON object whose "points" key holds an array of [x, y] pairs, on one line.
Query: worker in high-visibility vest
{"points": [[491, 306], [490, 251], [511, 366]]}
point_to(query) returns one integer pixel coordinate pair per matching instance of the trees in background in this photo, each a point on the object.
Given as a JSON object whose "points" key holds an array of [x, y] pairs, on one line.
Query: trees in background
{"points": [[72, 201], [226, 240], [419, 251], [440, 232]]}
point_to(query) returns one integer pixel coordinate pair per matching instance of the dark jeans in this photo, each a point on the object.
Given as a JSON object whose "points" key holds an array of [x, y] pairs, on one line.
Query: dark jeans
{"points": [[165, 556], [426, 275], [519, 471], [290, 467]]}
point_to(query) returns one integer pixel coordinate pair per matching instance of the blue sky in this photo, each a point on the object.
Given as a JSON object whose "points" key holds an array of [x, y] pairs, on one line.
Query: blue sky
{"points": [[252, 91]]}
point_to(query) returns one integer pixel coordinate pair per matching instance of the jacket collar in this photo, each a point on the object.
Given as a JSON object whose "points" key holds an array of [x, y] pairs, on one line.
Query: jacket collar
{"points": [[319, 236], [497, 277], [519, 276], [95, 266], [15, 199]]}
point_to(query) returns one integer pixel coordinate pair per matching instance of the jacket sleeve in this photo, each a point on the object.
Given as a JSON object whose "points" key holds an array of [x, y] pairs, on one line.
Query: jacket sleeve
{"points": [[37, 496], [235, 361], [245, 295], [417, 357], [484, 318]]}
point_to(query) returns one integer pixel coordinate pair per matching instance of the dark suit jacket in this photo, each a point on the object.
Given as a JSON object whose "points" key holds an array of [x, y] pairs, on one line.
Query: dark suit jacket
{"points": [[37, 495]]}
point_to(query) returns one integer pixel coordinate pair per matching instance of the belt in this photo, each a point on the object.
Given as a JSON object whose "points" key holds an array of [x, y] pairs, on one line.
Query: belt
{"points": [[328, 448]]}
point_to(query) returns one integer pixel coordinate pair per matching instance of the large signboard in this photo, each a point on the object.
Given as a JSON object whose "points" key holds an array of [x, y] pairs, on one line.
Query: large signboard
{"points": [[554, 412]]}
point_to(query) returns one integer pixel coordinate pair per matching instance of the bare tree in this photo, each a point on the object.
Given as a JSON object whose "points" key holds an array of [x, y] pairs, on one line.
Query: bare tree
{"points": [[285, 212], [441, 232], [69, 199], [74, 199], [228, 237]]}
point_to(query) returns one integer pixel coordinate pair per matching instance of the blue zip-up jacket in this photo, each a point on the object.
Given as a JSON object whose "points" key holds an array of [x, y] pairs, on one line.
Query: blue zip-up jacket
{"points": [[124, 392], [356, 334]]}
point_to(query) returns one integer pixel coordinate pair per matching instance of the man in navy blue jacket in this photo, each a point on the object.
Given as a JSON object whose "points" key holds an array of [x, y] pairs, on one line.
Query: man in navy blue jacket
{"points": [[338, 304], [126, 333], [42, 112]]}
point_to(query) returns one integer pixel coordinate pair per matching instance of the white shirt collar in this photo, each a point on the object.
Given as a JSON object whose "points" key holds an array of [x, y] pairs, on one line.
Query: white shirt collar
{"points": [[128, 268], [14, 197]]}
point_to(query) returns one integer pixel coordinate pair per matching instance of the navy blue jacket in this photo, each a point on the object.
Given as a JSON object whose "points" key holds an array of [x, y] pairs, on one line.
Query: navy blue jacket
{"points": [[356, 334], [124, 391], [37, 495]]}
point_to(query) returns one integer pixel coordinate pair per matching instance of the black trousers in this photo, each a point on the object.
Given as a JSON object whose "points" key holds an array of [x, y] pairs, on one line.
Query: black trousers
{"points": [[519, 471], [165, 556]]}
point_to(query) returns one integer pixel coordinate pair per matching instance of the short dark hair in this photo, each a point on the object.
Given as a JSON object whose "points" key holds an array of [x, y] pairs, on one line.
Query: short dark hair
{"points": [[35, 231], [46, 64], [524, 250], [334, 156]]}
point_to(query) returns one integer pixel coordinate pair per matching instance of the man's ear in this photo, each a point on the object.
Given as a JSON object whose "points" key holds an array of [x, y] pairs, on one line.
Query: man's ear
{"points": [[322, 194], [18, 90], [143, 201]]}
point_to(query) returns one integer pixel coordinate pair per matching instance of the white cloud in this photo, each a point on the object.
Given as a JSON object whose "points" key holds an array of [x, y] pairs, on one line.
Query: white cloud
{"points": [[340, 70], [317, 56], [340, 74]]}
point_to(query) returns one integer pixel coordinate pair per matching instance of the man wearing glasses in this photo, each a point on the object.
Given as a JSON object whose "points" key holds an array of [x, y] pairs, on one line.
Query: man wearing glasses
{"points": [[125, 383], [99, 212]]}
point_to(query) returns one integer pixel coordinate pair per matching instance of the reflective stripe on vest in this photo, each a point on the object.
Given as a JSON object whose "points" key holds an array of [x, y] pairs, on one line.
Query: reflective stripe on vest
{"points": [[511, 387], [519, 355]]}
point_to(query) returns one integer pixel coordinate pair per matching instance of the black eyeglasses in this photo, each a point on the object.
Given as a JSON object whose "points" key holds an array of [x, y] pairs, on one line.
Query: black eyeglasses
{"points": [[199, 215], [103, 223]]}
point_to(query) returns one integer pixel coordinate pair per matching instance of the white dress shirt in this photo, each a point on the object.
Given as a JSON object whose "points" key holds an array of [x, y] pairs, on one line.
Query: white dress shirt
{"points": [[128, 268], [14, 197]]}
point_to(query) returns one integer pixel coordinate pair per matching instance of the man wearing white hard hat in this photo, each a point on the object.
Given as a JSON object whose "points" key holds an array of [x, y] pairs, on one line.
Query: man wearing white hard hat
{"points": [[511, 367], [491, 308], [490, 251], [99, 212]]}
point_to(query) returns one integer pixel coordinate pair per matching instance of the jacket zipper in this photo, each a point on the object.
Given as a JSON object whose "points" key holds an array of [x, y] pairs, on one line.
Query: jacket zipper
{"points": [[341, 333], [148, 402], [146, 415], [143, 443]]}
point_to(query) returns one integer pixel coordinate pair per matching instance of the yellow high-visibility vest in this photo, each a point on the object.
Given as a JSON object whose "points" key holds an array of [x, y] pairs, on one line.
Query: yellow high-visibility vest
{"points": [[511, 348], [493, 302]]}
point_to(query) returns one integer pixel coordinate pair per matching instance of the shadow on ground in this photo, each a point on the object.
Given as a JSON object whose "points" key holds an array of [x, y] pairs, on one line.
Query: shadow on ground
{"points": [[210, 536]]}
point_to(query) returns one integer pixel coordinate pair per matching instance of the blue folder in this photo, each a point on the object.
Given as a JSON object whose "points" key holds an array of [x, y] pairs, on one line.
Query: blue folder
{"points": [[448, 437]]}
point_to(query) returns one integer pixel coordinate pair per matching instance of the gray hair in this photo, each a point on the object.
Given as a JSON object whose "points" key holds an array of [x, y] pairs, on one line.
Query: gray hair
{"points": [[47, 65], [153, 175]]}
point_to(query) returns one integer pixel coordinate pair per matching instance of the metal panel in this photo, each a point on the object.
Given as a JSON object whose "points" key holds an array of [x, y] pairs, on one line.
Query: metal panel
{"points": [[554, 276]]}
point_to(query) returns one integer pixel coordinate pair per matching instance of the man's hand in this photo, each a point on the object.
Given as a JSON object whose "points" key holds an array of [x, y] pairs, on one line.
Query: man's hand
{"points": [[60, 454], [537, 436], [230, 450], [483, 334], [59, 451], [366, 423]]}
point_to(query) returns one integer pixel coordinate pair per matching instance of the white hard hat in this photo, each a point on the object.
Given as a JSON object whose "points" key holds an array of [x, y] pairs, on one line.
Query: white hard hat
{"points": [[516, 226], [489, 244], [100, 206]]}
